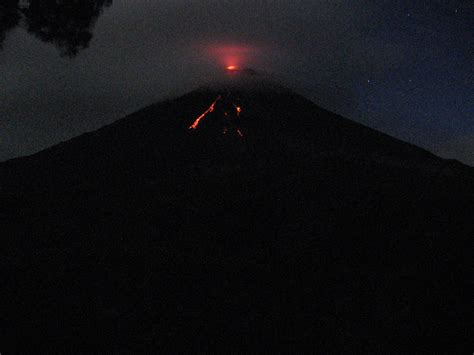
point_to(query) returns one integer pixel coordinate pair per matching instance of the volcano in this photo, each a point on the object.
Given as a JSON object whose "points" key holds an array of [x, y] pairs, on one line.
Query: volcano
{"points": [[169, 230]]}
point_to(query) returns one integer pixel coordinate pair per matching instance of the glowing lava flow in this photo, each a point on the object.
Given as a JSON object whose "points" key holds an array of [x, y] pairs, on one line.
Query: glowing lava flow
{"points": [[229, 115], [238, 109], [209, 110]]}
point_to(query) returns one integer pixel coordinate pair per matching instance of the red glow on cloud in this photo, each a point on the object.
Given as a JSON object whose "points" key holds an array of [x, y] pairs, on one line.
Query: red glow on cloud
{"points": [[232, 57]]}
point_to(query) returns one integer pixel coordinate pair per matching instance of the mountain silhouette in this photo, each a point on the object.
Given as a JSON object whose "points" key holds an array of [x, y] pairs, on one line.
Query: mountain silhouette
{"points": [[306, 232]]}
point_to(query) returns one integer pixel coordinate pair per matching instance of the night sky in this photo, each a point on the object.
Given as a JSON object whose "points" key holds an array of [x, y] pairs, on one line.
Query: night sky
{"points": [[403, 67]]}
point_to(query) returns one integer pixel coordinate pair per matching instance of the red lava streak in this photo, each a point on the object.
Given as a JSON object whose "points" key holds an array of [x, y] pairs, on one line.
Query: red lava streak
{"points": [[229, 116], [238, 109], [209, 110]]}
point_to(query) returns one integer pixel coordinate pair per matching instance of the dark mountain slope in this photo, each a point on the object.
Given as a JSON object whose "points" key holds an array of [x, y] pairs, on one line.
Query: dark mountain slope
{"points": [[310, 232]]}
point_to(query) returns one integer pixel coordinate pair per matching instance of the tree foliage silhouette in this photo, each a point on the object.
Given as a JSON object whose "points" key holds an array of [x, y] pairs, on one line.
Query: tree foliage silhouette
{"points": [[67, 24], [9, 18]]}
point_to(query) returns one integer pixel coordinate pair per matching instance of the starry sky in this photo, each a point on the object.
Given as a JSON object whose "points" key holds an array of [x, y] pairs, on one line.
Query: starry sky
{"points": [[403, 67]]}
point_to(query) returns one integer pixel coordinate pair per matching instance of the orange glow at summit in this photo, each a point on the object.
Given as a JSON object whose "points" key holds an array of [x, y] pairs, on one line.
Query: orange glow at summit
{"points": [[232, 56]]}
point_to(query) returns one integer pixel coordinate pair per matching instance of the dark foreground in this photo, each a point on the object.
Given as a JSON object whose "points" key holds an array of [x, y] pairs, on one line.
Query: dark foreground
{"points": [[310, 233]]}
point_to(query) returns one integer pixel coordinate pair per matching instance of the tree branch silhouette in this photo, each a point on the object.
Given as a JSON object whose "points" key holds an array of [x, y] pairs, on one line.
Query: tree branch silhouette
{"points": [[67, 24]]}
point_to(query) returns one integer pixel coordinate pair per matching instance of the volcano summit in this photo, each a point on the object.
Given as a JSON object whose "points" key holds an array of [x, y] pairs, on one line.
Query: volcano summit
{"points": [[169, 230]]}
